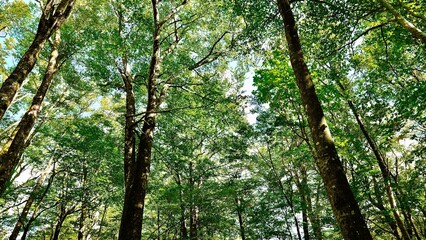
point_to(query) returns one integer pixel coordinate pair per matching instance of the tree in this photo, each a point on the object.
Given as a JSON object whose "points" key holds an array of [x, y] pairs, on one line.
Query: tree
{"points": [[53, 16], [345, 207], [13, 148]]}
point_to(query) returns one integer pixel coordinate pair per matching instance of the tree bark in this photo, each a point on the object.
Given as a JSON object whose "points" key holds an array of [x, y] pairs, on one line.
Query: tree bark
{"points": [[35, 213], [102, 221], [240, 218], [138, 173], [62, 216], [129, 133], [378, 203], [302, 186], [416, 32], [193, 219], [34, 194], [53, 15], [183, 230], [83, 210], [343, 203], [384, 169], [14, 148]]}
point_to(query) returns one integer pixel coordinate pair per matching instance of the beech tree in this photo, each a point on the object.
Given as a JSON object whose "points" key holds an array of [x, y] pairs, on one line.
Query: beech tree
{"points": [[53, 16]]}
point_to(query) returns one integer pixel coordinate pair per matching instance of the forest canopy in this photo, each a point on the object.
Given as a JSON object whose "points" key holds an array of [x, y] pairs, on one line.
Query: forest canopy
{"points": [[218, 119]]}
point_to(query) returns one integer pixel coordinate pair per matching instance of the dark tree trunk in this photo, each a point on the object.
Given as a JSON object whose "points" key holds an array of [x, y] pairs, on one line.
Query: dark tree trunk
{"points": [[35, 213], [313, 217], [129, 133], [304, 194], [138, 172], [384, 169], [29, 203], [183, 230], [53, 15], [193, 218], [240, 218], [343, 203], [62, 216], [14, 148], [378, 203], [101, 224], [83, 210]]}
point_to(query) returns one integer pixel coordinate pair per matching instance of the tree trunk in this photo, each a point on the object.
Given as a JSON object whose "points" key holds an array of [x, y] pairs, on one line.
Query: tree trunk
{"points": [[193, 219], [304, 195], [343, 203], [183, 230], [240, 218], [62, 216], [35, 213], [384, 169], [135, 192], [102, 221], [416, 32], [83, 210], [129, 133], [14, 148], [378, 203], [53, 15], [289, 201], [29, 203], [313, 217]]}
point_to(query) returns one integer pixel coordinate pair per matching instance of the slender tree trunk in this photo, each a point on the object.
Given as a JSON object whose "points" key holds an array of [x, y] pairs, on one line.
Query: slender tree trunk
{"points": [[416, 32], [193, 219], [313, 217], [62, 216], [35, 213], [343, 203], [240, 218], [129, 132], [53, 15], [14, 148], [281, 186], [29, 203], [102, 221], [183, 230], [158, 224], [80, 235], [83, 210], [304, 192], [412, 229], [383, 168], [378, 203]]}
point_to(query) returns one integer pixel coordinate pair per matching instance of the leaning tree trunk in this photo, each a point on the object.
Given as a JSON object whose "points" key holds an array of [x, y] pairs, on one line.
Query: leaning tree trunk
{"points": [[14, 148], [34, 194], [53, 15], [61, 219], [384, 169], [343, 203], [36, 213], [416, 32], [378, 203]]}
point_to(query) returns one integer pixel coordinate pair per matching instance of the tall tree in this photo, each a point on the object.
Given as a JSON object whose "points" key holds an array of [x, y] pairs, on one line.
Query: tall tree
{"points": [[13, 148], [342, 200], [53, 16]]}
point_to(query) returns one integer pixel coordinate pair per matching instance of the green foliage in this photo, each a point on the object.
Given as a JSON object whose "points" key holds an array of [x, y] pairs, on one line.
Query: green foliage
{"points": [[208, 163]]}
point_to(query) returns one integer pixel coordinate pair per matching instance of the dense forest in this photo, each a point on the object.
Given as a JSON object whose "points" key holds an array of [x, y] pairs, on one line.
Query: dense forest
{"points": [[214, 119]]}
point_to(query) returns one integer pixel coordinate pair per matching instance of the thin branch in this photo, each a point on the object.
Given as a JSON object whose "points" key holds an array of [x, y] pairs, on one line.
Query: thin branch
{"points": [[355, 39]]}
